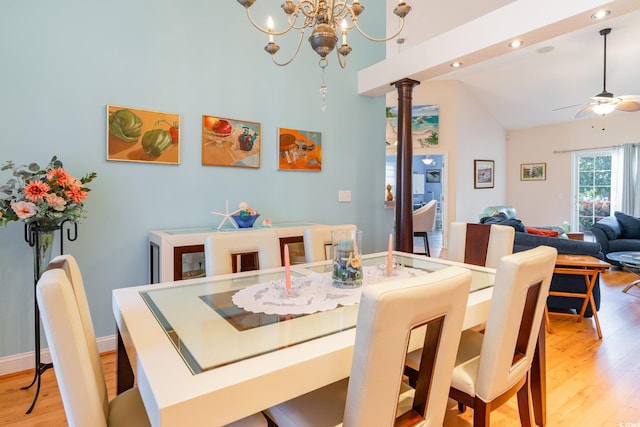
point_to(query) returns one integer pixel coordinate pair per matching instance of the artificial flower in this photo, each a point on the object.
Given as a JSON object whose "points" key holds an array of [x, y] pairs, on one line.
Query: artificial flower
{"points": [[47, 197], [36, 190], [245, 209], [23, 209]]}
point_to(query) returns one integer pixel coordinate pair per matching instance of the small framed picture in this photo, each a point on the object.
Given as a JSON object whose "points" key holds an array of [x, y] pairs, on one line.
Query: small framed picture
{"points": [[533, 172], [483, 173], [432, 176]]}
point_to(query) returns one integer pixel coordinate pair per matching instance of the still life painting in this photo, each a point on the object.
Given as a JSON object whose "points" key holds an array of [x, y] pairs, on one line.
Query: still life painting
{"points": [[424, 125], [136, 135], [230, 142], [299, 150]]}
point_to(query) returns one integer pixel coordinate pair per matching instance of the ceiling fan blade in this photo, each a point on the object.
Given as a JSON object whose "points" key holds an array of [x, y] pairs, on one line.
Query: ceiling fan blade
{"points": [[626, 98], [565, 107], [586, 110], [628, 106]]}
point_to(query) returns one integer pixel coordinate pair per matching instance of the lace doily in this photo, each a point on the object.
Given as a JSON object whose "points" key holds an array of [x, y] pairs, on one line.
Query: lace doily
{"points": [[312, 293]]}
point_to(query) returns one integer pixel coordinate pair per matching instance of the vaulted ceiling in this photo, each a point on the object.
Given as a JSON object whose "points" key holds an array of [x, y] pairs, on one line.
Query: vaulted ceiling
{"points": [[547, 80]]}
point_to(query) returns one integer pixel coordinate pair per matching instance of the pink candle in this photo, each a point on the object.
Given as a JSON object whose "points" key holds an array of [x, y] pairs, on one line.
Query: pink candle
{"points": [[287, 268], [389, 254]]}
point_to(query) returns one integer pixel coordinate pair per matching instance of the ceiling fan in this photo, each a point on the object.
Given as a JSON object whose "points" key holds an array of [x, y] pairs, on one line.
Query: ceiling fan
{"points": [[605, 102]]}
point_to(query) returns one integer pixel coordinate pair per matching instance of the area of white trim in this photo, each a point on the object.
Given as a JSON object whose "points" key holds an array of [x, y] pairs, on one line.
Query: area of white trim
{"points": [[25, 361]]}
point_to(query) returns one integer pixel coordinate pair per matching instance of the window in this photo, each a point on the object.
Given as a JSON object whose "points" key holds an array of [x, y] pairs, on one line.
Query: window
{"points": [[595, 185]]}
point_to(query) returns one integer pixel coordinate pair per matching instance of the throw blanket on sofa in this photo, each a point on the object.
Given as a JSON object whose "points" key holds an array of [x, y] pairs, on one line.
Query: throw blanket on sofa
{"points": [[502, 219]]}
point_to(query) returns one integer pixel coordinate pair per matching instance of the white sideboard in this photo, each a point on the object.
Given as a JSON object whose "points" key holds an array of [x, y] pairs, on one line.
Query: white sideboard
{"points": [[179, 254]]}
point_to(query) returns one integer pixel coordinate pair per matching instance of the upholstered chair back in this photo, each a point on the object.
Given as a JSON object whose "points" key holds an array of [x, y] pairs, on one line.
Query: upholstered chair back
{"points": [[70, 266], [221, 248], [424, 218], [388, 313], [479, 244], [83, 392], [517, 309], [317, 241]]}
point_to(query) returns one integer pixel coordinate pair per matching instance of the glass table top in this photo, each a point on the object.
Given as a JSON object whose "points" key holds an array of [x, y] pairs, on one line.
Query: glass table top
{"points": [[209, 330]]}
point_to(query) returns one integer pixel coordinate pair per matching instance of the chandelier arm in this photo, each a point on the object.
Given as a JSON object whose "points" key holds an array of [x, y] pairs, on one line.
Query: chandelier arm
{"points": [[340, 10], [307, 7], [308, 22], [275, 33], [374, 39], [282, 64]]}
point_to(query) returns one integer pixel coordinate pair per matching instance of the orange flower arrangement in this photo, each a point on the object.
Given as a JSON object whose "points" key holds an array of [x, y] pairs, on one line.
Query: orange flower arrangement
{"points": [[47, 196]]}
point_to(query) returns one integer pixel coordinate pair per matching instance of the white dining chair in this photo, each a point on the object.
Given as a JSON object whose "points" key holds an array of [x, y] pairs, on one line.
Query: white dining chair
{"points": [[424, 221], [70, 266], [494, 365], [224, 250], [479, 244], [317, 241], [375, 394], [82, 387]]}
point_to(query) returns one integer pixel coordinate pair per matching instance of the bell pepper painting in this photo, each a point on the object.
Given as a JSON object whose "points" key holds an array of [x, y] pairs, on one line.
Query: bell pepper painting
{"points": [[299, 150], [135, 135], [230, 142]]}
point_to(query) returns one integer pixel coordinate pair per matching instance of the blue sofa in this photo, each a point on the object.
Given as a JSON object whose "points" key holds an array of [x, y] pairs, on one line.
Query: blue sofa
{"points": [[617, 233], [564, 282]]}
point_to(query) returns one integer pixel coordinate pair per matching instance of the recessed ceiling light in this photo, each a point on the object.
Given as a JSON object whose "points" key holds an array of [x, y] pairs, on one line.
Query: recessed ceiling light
{"points": [[545, 49], [516, 43], [456, 64], [600, 14]]}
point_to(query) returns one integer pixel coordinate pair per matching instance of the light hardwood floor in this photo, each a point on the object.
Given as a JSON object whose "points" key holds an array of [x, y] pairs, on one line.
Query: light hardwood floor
{"points": [[591, 382]]}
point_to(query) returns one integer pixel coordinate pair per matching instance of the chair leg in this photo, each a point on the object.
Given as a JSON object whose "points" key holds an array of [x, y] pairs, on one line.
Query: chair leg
{"points": [[481, 413], [425, 237], [524, 407], [426, 245], [547, 319]]}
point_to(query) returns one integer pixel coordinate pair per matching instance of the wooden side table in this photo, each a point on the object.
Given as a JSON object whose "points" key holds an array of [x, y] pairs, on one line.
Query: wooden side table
{"points": [[582, 265], [575, 235]]}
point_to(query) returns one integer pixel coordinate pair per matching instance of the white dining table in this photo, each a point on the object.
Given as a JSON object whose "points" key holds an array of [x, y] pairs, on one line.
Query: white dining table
{"points": [[197, 359]]}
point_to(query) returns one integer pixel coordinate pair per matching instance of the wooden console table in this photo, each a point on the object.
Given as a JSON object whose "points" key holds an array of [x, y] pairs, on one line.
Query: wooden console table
{"points": [[179, 254], [582, 265]]}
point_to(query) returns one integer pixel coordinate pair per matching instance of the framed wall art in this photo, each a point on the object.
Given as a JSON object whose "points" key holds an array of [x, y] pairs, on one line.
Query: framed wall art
{"points": [[424, 125], [432, 176], [533, 172], [230, 142], [299, 150], [483, 173], [136, 135]]}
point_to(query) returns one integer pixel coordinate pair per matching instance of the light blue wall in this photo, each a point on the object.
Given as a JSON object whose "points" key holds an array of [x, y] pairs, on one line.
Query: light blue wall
{"points": [[62, 62]]}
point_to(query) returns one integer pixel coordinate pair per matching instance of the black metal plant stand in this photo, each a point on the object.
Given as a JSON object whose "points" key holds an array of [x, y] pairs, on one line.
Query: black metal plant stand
{"points": [[32, 236]]}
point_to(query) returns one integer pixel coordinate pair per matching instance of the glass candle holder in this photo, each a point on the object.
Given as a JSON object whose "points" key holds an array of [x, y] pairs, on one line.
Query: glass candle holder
{"points": [[347, 258]]}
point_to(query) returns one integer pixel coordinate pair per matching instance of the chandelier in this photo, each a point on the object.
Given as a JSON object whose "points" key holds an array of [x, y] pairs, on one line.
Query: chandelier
{"points": [[325, 18]]}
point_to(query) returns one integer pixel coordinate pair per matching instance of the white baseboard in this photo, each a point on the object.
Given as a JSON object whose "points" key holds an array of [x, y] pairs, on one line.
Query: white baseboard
{"points": [[25, 361]]}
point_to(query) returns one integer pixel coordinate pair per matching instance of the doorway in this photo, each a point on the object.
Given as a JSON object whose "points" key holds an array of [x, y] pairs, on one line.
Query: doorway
{"points": [[428, 183]]}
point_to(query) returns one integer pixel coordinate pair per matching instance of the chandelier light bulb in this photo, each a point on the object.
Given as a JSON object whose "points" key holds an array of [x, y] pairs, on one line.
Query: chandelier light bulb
{"points": [[270, 27]]}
